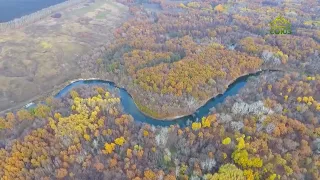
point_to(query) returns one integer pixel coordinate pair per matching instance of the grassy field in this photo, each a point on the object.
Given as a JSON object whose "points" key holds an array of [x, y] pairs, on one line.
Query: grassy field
{"points": [[36, 58]]}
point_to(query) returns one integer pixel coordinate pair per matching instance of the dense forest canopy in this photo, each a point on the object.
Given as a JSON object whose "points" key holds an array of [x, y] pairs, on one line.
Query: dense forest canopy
{"points": [[180, 52], [172, 56]]}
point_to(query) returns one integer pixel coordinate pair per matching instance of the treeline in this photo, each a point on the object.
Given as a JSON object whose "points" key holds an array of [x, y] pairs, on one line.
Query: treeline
{"points": [[155, 58], [86, 135]]}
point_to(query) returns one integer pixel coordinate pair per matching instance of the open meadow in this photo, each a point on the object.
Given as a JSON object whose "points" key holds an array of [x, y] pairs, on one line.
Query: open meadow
{"points": [[36, 58]]}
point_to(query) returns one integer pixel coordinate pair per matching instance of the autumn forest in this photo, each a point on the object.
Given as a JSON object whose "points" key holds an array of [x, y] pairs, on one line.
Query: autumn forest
{"points": [[172, 57]]}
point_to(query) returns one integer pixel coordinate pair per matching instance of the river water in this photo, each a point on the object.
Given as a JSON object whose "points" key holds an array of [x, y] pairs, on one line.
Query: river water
{"points": [[130, 107], [11, 9]]}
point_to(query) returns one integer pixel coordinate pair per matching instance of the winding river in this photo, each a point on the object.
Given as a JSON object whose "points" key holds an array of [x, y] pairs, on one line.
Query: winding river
{"points": [[130, 107]]}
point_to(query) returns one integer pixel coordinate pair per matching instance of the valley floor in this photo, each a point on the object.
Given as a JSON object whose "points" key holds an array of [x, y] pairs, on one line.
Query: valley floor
{"points": [[36, 58]]}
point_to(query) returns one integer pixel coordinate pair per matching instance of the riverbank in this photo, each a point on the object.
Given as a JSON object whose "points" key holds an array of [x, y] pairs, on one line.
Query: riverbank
{"points": [[44, 54], [62, 87], [202, 103], [38, 15]]}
